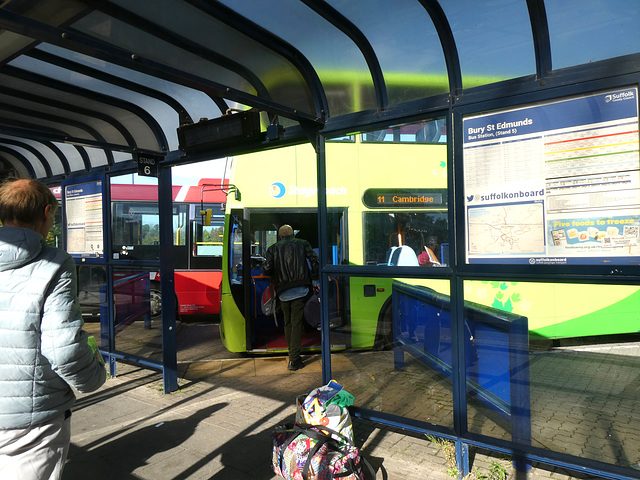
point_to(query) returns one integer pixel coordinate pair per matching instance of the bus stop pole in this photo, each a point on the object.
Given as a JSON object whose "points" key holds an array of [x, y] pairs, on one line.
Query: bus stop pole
{"points": [[167, 287]]}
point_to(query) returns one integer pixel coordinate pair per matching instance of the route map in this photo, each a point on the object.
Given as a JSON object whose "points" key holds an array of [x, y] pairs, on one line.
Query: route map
{"points": [[506, 229]]}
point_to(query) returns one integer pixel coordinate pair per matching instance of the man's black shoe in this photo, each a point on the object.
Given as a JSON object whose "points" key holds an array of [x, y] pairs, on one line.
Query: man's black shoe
{"points": [[297, 365]]}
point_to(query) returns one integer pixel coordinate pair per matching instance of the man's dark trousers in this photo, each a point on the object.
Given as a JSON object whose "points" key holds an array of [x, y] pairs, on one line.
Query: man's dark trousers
{"points": [[293, 313]]}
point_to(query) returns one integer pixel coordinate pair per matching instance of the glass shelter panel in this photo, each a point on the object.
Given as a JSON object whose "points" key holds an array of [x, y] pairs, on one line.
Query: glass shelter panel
{"points": [[136, 228], [555, 366], [136, 331], [387, 354], [602, 30], [406, 44], [197, 222], [347, 90], [392, 186], [91, 279], [493, 39]]}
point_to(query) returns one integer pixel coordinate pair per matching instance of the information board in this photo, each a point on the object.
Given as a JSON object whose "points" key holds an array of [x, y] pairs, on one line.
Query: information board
{"points": [[554, 183], [84, 221]]}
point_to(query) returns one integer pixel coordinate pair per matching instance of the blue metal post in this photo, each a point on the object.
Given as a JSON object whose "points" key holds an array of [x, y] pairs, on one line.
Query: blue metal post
{"points": [[108, 266], [458, 371], [167, 287], [323, 248]]}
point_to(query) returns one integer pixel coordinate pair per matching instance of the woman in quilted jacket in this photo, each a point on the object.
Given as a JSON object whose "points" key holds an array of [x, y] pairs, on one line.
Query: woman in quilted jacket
{"points": [[43, 349]]}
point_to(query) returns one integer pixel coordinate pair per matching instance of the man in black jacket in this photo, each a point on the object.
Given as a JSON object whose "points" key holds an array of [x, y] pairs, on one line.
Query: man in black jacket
{"points": [[286, 262]]}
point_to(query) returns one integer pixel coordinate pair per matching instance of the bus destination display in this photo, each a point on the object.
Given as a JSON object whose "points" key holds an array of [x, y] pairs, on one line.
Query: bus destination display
{"points": [[403, 198], [554, 183]]}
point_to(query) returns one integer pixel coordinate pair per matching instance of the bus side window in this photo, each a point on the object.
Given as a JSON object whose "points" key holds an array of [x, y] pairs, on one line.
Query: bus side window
{"points": [[422, 232], [207, 241]]}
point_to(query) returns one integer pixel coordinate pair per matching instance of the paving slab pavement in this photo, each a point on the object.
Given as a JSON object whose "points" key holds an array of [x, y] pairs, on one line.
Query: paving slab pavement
{"points": [[218, 424], [219, 427], [130, 430]]}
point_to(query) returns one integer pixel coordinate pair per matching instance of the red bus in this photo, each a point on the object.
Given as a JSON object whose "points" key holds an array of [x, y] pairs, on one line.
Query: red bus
{"points": [[197, 245]]}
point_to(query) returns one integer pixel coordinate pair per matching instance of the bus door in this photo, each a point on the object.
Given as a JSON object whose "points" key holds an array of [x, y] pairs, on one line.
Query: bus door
{"points": [[247, 279], [236, 323]]}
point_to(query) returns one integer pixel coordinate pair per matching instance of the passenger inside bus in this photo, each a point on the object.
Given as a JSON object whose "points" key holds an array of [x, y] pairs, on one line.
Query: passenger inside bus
{"points": [[428, 256], [404, 238]]}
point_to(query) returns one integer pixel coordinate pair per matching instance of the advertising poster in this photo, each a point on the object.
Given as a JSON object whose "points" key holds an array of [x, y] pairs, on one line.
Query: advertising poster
{"points": [[83, 207], [554, 183]]}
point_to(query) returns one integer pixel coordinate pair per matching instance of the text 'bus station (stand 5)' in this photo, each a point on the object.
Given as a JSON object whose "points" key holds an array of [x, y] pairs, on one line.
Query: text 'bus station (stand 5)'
{"points": [[467, 172]]}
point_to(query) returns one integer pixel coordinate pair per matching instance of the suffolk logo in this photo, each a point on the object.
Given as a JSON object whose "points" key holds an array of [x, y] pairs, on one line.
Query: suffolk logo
{"points": [[277, 190], [617, 97]]}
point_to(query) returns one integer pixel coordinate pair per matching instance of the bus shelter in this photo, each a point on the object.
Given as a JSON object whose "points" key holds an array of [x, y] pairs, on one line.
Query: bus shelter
{"points": [[475, 185]]}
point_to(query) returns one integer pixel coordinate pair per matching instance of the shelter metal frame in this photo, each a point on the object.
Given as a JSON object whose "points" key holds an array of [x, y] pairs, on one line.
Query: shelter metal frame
{"points": [[34, 146]]}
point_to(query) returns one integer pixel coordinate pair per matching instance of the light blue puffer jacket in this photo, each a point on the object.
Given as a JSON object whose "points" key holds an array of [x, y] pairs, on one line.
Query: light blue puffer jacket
{"points": [[43, 349]]}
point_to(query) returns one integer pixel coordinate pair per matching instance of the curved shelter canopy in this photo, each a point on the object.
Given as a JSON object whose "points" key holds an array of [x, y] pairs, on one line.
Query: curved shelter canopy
{"points": [[86, 83]]}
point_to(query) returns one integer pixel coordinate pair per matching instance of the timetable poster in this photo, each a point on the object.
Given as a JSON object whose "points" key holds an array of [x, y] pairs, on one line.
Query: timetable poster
{"points": [[83, 208], [554, 183]]}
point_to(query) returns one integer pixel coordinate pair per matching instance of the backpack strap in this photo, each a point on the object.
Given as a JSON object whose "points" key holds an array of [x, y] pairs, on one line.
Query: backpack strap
{"points": [[312, 452], [285, 445], [316, 431]]}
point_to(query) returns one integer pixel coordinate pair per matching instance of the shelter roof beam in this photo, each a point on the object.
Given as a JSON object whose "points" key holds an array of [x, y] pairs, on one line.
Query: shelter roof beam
{"points": [[449, 48], [541, 40]]}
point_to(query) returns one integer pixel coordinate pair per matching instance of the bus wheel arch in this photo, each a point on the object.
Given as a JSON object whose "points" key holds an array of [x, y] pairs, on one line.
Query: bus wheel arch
{"points": [[155, 301]]}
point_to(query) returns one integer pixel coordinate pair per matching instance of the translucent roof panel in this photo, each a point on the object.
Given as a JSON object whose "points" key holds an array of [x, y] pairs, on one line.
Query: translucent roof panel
{"points": [[250, 66], [97, 157], [43, 152], [80, 113], [406, 44], [161, 112], [196, 103], [493, 38], [148, 46], [583, 31], [29, 156], [336, 59], [15, 161]]}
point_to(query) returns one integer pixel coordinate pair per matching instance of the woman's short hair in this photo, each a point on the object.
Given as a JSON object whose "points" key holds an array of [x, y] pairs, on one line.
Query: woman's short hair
{"points": [[23, 200]]}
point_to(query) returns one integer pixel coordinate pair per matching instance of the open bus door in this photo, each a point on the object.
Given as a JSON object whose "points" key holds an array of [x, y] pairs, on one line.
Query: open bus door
{"points": [[251, 233]]}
